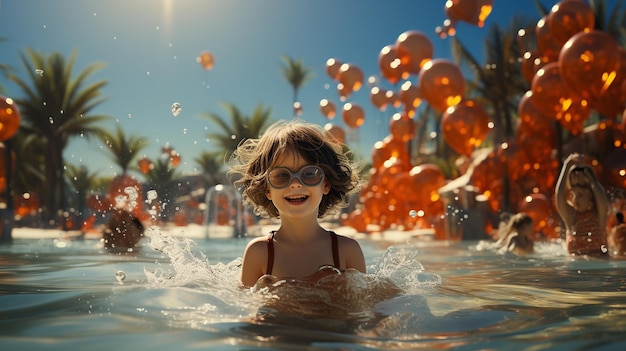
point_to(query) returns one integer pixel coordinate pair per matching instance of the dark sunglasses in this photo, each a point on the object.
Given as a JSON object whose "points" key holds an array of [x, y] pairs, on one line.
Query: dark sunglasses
{"points": [[281, 177]]}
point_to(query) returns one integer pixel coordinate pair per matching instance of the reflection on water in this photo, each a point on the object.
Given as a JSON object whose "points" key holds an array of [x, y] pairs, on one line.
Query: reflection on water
{"points": [[181, 293]]}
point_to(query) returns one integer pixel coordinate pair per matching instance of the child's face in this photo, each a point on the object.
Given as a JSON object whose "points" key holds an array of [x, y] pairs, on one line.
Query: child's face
{"points": [[581, 197], [296, 199]]}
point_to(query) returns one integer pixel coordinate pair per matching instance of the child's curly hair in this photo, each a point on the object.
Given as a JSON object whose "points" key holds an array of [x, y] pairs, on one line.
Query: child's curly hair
{"points": [[253, 158]]}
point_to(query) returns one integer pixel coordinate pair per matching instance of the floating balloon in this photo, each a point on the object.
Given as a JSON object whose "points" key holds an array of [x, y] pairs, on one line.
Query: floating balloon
{"points": [[402, 127], [378, 97], [206, 60], [441, 83], [589, 62], [465, 126], [569, 17], [471, 11], [145, 165], [351, 76], [547, 45], [328, 108], [332, 68], [9, 118], [353, 115], [336, 132], [410, 96], [414, 49], [390, 64]]}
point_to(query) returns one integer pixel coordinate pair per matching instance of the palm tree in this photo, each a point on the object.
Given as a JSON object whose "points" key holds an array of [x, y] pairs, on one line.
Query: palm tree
{"points": [[242, 127], [161, 179], [123, 150], [296, 75], [498, 82], [4, 70], [212, 167], [80, 181], [56, 108]]}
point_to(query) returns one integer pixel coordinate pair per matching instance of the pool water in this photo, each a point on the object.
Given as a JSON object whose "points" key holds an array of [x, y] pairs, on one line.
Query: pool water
{"points": [[181, 293]]}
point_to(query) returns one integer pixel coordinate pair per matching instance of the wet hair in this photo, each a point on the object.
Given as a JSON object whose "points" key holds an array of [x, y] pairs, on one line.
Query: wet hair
{"points": [[513, 222], [253, 158]]}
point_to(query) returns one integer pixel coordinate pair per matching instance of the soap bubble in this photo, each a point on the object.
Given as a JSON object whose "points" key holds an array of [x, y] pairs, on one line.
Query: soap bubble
{"points": [[176, 109]]}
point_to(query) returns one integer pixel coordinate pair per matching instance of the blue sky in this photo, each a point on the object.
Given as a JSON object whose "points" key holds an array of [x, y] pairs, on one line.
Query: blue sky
{"points": [[150, 49]]}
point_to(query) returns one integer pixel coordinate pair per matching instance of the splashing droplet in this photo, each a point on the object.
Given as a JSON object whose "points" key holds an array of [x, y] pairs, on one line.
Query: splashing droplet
{"points": [[120, 276], [176, 109]]}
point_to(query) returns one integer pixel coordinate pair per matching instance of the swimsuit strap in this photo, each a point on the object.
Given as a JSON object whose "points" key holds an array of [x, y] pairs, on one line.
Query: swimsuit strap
{"points": [[333, 237], [270, 251]]}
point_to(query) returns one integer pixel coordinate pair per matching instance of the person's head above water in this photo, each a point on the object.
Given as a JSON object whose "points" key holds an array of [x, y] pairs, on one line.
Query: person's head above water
{"points": [[254, 165]]}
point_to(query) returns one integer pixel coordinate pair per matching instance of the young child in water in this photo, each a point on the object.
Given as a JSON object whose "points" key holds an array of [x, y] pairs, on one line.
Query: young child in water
{"points": [[582, 204], [297, 173], [516, 234]]}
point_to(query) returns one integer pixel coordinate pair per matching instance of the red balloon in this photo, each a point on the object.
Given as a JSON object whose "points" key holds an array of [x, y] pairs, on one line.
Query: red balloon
{"points": [[9, 118], [410, 96], [145, 165], [390, 64], [328, 108], [589, 63], [332, 68], [465, 126], [351, 76], [379, 99], [547, 45], [353, 115], [402, 127], [471, 11], [414, 50], [441, 83], [569, 17], [206, 60], [336, 132]]}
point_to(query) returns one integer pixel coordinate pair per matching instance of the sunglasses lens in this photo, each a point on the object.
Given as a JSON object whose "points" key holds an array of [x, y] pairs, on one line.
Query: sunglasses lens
{"points": [[279, 177], [308, 175], [311, 175]]}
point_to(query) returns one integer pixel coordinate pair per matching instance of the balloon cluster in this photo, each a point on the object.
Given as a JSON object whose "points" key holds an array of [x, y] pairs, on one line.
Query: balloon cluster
{"points": [[471, 11], [573, 70]]}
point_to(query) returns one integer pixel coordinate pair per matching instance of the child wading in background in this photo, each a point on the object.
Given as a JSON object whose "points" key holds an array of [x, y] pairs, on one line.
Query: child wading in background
{"points": [[582, 204], [297, 173], [516, 234]]}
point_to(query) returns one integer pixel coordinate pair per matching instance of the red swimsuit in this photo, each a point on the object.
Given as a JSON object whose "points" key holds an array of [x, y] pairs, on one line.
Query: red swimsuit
{"points": [[270, 251]]}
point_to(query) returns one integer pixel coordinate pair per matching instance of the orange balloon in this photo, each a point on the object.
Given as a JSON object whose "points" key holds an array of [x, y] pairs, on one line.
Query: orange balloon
{"points": [[441, 83], [420, 185], [328, 108], [390, 64], [569, 17], [379, 99], [332, 68], [589, 62], [396, 148], [539, 208], [145, 165], [9, 118], [414, 49], [175, 159], [410, 96], [336, 132], [613, 101], [351, 76], [206, 60], [471, 11], [546, 44], [532, 121], [353, 115], [465, 126], [402, 127]]}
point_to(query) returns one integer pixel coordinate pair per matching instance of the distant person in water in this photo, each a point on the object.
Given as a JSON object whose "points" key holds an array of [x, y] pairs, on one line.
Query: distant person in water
{"points": [[617, 237], [123, 231], [582, 204], [516, 234], [297, 173]]}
